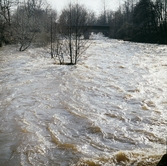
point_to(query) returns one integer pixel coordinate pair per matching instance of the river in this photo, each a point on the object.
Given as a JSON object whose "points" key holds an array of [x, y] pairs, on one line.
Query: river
{"points": [[108, 110]]}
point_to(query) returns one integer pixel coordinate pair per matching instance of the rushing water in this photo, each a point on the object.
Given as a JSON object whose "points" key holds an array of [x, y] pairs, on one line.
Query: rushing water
{"points": [[109, 109]]}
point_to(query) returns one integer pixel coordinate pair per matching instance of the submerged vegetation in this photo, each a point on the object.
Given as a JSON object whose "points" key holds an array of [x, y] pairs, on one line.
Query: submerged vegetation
{"points": [[33, 21]]}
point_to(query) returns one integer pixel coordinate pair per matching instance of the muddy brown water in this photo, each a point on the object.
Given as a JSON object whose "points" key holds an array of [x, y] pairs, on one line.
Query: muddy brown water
{"points": [[109, 109]]}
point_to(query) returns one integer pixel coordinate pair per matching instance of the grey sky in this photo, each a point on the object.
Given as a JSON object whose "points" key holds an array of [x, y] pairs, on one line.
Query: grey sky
{"points": [[95, 5]]}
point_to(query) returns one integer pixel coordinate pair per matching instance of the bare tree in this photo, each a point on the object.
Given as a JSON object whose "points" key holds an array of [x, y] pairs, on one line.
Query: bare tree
{"points": [[26, 22], [5, 20], [74, 21]]}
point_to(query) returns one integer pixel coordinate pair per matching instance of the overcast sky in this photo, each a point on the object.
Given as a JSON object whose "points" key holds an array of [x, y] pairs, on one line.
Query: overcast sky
{"points": [[95, 5]]}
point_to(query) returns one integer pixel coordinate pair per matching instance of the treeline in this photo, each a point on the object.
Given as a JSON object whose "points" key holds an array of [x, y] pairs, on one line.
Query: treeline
{"points": [[138, 20], [33, 21], [24, 21]]}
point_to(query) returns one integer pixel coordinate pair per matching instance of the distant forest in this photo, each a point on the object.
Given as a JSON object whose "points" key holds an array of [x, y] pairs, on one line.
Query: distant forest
{"points": [[139, 21], [33, 21]]}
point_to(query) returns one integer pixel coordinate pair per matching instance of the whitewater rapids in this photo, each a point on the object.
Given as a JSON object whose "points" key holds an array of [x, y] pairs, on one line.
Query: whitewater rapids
{"points": [[109, 109]]}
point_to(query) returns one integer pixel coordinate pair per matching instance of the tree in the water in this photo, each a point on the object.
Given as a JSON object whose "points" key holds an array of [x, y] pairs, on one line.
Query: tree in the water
{"points": [[73, 21]]}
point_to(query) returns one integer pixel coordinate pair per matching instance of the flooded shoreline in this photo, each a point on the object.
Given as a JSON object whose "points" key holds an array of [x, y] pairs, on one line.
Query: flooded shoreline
{"points": [[109, 109]]}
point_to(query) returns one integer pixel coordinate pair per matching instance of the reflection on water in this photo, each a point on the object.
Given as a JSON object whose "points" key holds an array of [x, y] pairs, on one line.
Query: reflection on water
{"points": [[107, 110]]}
